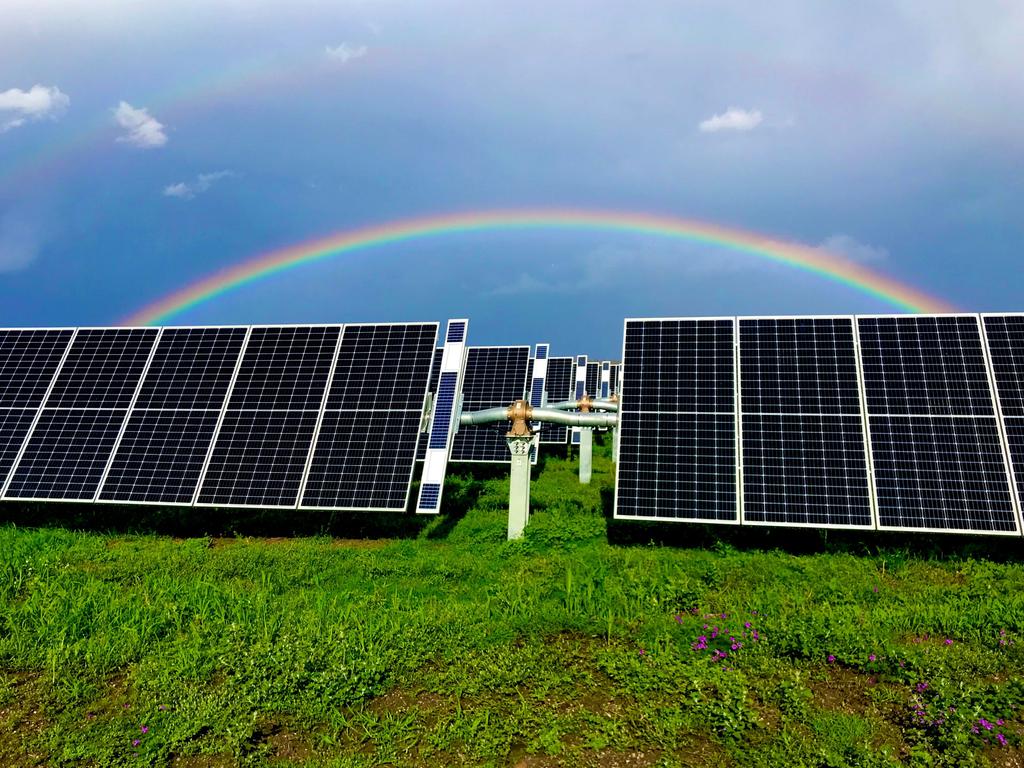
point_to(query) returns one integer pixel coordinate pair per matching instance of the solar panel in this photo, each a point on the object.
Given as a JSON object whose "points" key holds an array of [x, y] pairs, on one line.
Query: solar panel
{"points": [[936, 451], [579, 389], [558, 384], [15, 424], [1004, 335], [803, 448], [366, 442], [69, 447], [266, 433], [494, 376], [593, 383], [442, 427], [606, 380], [677, 429], [28, 361], [160, 456], [435, 374], [614, 381]]}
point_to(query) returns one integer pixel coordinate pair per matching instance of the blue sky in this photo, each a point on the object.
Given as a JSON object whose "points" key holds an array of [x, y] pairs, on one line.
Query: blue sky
{"points": [[144, 145]]}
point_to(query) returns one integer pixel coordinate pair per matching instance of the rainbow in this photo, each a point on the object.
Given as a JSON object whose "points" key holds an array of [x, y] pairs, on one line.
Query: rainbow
{"points": [[805, 258]]}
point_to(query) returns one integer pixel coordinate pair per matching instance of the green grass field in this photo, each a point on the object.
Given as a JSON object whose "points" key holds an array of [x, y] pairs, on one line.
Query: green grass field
{"points": [[126, 638]]}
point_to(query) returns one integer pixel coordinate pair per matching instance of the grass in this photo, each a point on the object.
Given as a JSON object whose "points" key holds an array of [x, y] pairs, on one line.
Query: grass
{"points": [[435, 642]]}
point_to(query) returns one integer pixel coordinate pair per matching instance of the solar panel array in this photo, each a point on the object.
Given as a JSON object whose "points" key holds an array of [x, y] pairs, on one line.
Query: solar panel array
{"points": [[494, 377], [864, 422], [214, 416]]}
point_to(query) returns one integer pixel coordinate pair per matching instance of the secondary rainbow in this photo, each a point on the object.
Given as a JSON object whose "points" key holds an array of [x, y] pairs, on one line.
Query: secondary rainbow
{"points": [[802, 257]]}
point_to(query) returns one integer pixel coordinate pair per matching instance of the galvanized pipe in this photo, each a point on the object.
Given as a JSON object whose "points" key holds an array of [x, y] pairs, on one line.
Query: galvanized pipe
{"points": [[549, 415]]}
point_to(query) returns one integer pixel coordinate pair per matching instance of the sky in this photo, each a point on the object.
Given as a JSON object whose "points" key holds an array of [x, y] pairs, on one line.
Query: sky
{"points": [[146, 145]]}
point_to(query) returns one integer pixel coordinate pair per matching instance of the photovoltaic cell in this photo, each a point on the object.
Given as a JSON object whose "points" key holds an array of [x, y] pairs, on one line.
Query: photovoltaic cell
{"points": [[593, 379], [191, 369], [66, 454], [14, 426], [28, 361], [285, 368], [495, 376], [366, 446], [1005, 339], [102, 368], [677, 431], [615, 378], [935, 443], [804, 458]]}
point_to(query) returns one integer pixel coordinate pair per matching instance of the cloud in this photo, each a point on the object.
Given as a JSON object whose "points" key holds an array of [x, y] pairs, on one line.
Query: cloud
{"points": [[852, 249], [188, 190], [17, 107], [345, 53], [20, 240], [733, 119], [143, 130]]}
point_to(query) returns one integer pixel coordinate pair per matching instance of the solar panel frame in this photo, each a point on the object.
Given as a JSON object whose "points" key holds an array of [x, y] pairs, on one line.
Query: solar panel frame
{"points": [[417, 397], [435, 378], [144, 412], [992, 415], [842, 412], [494, 456], [622, 432]]}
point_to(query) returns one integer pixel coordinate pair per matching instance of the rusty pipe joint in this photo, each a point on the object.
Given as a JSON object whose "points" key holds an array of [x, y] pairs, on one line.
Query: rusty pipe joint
{"points": [[520, 413]]}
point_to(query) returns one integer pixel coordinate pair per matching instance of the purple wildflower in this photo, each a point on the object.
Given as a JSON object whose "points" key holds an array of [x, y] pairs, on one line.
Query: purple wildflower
{"points": [[145, 728], [871, 657], [949, 641], [1001, 739], [135, 742], [831, 659]]}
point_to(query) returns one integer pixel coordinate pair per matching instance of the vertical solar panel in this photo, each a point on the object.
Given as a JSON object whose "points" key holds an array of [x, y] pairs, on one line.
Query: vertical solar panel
{"points": [[442, 427], [161, 453], [803, 446], [1004, 336], [29, 359], [435, 375], [495, 376], [558, 384], [67, 451], [614, 378], [593, 382], [261, 449], [579, 389], [677, 428], [366, 442], [935, 442], [606, 380]]}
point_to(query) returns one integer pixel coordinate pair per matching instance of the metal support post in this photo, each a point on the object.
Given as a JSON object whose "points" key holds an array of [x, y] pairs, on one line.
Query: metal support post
{"points": [[615, 445], [519, 485], [586, 453]]}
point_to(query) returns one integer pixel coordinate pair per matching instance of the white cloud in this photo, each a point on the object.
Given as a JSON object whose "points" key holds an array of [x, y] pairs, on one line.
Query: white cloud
{"points": [[20, 240], [733, 119], [17, 107], [143, 130], [345, 53], [188, 190], [852, 249]]}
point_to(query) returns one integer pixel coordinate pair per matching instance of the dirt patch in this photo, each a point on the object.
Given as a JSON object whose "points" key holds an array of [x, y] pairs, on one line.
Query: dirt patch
{"points": [[22, 721], [203, 761], [401, 701], [605, 758], [843, 691]]}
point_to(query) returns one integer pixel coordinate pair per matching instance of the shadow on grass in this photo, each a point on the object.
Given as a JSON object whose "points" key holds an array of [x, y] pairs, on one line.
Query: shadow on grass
{"points": [[804, 541]]}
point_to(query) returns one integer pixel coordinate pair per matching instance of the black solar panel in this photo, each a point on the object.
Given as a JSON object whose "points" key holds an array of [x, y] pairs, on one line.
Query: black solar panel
{"points": [[1005, 334], [260, 453], [366, 447], [285, 367], [804, 458], [435, 374], [924, 365], [529, 379], [191, 368], [593, 383], [1015, 439], [66, 454], [103, 368], [363, 459], [936, 451], [941, 473], [160, 456], [677, 430], [559, 385], [14, 426], [28, 361], [615, 378], [495, 376]]}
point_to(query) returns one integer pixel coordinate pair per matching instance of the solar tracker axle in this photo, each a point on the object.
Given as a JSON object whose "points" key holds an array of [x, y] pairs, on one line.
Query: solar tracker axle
{"points": [[520, 439]]}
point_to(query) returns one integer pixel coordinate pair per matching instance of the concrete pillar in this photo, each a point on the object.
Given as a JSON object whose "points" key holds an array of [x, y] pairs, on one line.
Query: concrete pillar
{"points": [[586, 453], [519, 485]]}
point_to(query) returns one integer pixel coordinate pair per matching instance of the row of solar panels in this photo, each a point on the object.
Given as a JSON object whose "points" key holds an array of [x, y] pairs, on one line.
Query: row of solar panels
{"points": [[911, 423], [270, 416]]}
